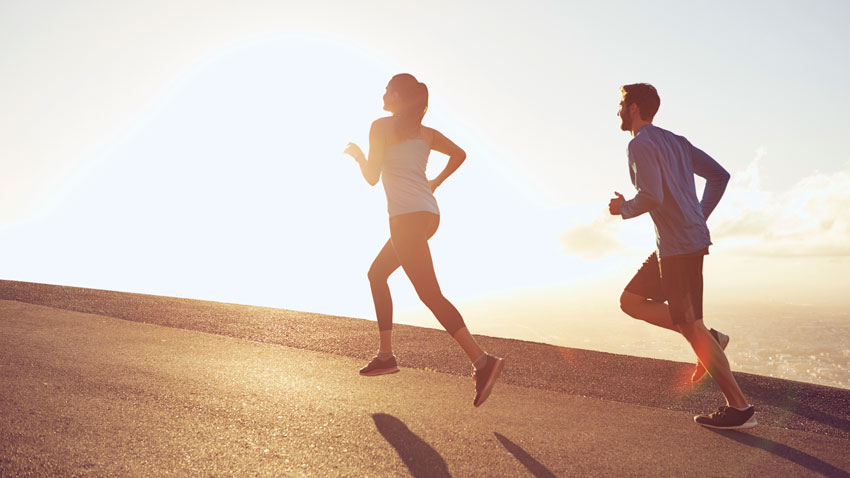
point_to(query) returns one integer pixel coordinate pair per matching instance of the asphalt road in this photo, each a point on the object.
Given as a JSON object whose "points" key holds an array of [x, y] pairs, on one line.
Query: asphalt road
{"points": [[90, 395], [612, 377]]}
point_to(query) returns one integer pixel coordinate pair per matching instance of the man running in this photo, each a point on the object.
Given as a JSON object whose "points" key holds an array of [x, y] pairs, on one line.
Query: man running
{"points": [[662, 167]]}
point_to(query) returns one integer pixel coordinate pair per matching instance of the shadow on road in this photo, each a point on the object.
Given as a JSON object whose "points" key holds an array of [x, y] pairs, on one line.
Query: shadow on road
{"points": [[419, 457], [535, 467], [804, 400], [793, 455]]}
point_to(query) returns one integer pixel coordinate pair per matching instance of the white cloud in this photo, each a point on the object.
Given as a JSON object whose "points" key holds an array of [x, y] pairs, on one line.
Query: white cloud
{"points": [[812, 218], [592, 241]]}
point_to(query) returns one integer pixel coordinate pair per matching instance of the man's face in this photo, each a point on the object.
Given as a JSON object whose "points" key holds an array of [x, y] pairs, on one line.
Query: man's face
{"points": [[625, 116]]}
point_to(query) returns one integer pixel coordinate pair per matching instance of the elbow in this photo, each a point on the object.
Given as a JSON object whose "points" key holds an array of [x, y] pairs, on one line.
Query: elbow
{"points": [[720, 176], [460, 156], [655, 202], [652, 199], [720, 181], [371, 176], [649, 207], [374, 178]]}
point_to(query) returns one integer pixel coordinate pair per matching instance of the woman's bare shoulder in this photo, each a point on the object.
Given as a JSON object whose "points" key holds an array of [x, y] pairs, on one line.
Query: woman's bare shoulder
{"points": [[429, 134], [383, 122], [383, 127]]}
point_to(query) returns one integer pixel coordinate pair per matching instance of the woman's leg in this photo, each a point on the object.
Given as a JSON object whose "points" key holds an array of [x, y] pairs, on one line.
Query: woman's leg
{"points": [[410, 234], [382, 267]]}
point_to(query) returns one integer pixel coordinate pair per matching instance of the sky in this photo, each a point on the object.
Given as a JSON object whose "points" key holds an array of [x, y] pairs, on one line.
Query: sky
{"points": [[194, 149]]}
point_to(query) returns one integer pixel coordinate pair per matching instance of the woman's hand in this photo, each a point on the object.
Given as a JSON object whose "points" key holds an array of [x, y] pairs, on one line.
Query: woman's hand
{"points": [[355, 152], [434, 183]]}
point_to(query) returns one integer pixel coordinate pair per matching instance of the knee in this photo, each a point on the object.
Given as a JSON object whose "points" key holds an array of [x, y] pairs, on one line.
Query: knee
{"points": [[431, 298], [376, 277], [628, 302]]}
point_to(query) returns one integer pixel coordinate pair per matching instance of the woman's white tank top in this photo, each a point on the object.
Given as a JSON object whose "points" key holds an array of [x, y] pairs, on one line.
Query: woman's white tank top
{"points": [[403, 176]]}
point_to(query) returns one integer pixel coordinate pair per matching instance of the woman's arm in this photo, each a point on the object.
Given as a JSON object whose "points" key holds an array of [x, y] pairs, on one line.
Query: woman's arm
{"points": [[456, 155], [371, 167]]}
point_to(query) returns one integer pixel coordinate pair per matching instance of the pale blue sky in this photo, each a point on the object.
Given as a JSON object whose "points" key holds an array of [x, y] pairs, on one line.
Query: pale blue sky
{"points": [[171, 148]]}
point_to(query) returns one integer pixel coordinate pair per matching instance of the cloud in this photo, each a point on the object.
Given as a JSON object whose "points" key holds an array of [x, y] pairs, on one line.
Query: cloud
{"points": [[809, 219], [812, 218], [592, 241]]}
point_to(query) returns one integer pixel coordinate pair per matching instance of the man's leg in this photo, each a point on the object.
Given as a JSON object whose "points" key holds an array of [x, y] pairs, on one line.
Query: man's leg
{"points": [[654, 312], [635, 301], [714, 360], [643, 298], [682, 280]]}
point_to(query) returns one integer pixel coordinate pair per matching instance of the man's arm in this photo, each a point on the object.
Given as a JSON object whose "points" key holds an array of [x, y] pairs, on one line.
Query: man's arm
{"points": [[716, 179], [647, 181]]}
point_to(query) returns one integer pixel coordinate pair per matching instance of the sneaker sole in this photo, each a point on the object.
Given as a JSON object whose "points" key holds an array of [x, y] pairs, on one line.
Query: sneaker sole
{"points": [[383, 371], [488, 387], [723, 345], [752, 422]]}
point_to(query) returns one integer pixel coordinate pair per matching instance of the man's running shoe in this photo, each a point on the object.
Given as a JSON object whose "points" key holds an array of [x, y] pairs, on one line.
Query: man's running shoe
{"points": [[699, 370], [486, 377], [728, 418], [380, 367]]}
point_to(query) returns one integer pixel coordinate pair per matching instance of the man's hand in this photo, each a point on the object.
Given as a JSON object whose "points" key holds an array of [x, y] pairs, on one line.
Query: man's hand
{"points": [[614, 204]]}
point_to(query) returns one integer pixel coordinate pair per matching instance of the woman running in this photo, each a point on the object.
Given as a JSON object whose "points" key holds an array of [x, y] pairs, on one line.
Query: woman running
{"points": [[399, 146]]}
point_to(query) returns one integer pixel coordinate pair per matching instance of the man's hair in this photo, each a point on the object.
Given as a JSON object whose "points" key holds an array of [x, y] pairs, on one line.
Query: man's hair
{"points": [[644, 96]]}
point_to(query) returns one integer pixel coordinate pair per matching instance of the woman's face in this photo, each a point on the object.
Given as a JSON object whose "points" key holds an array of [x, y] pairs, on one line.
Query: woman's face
{"points": [[391, 100]]}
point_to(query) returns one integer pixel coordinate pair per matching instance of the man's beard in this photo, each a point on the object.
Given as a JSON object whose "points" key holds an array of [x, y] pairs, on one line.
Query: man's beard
{"points": [[626, 123]]}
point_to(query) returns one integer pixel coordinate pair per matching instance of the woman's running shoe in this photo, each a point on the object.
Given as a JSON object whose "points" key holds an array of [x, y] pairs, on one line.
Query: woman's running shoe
{"points": [[486, 377], [380, 367]]}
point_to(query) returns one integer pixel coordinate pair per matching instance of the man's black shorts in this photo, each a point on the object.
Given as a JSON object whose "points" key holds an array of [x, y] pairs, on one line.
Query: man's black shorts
{"points": [[677, 280]]}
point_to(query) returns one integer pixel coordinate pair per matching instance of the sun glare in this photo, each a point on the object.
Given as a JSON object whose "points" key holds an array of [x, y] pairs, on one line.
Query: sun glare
{"points": [[232, 184]]}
